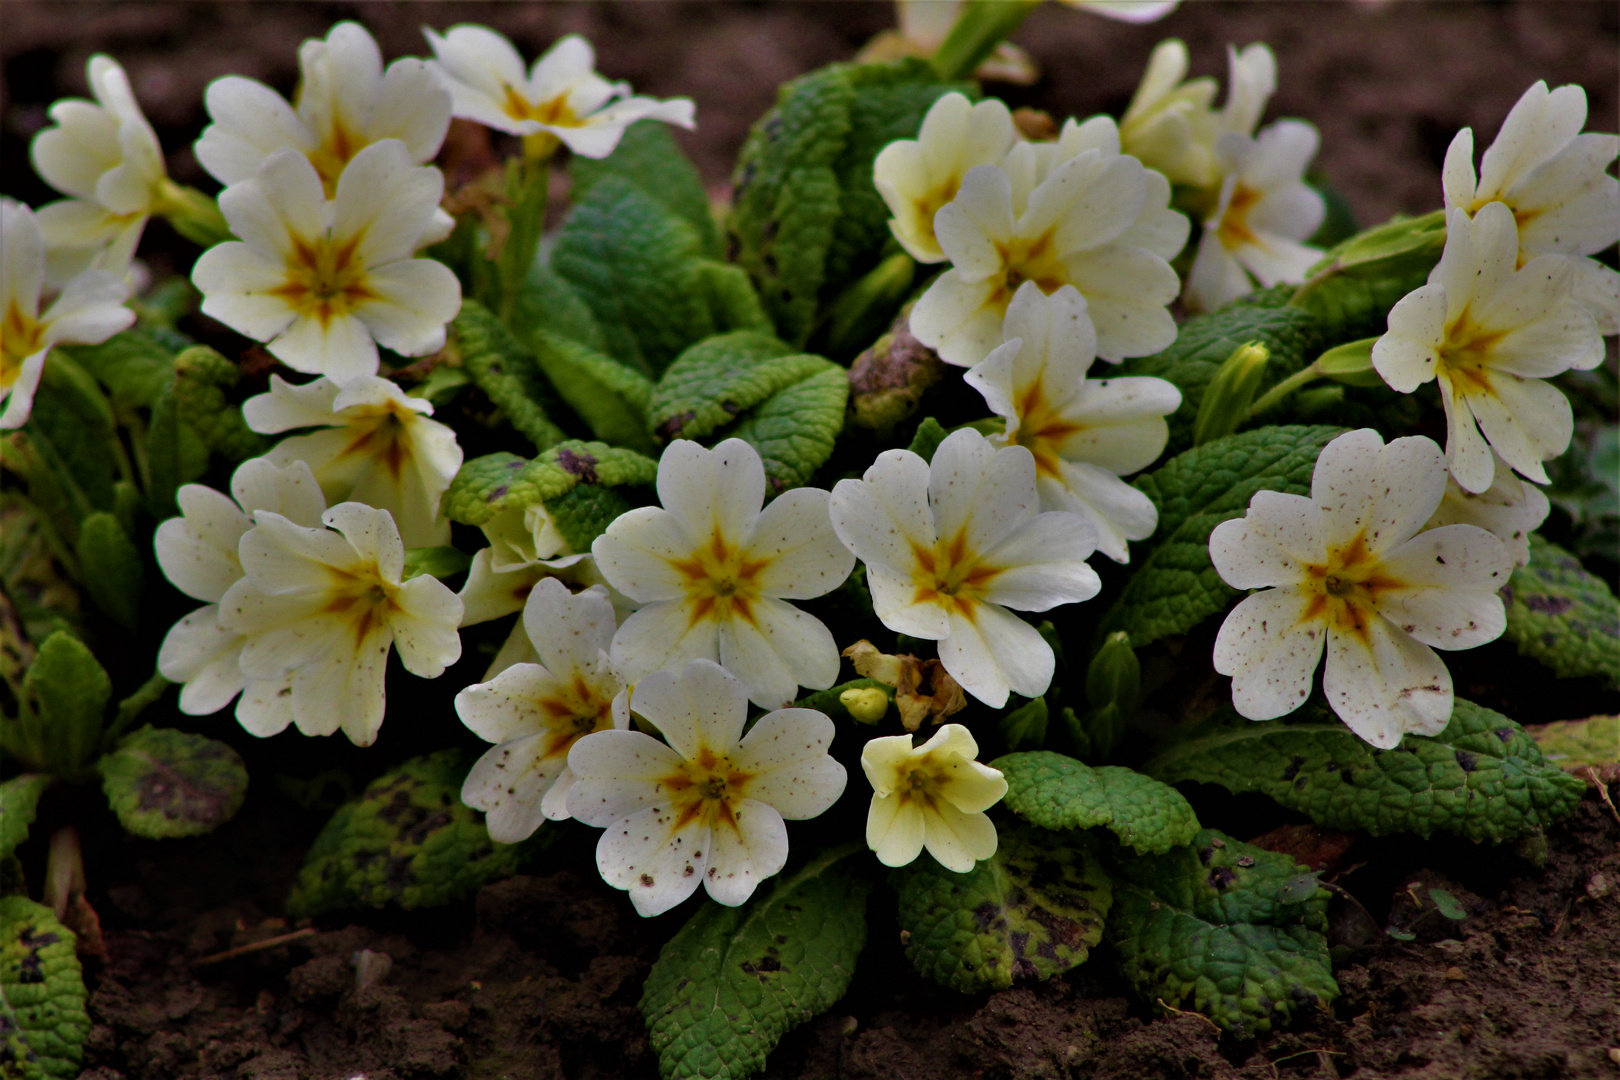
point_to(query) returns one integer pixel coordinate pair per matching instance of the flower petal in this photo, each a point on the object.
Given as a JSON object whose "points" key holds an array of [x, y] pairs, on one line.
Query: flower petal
{"points": [[1387, 684], [508, 783], [1270, 645], [795, 533], [993, 651]]}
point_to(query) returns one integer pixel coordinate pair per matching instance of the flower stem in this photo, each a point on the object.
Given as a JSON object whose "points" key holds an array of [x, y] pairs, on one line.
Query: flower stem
{"points": [[982, 25], [194, 215], [130, 709], [528, 181], [1277, 394]]}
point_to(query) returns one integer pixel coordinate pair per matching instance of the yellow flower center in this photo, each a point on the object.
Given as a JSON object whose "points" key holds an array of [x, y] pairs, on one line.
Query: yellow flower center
{"points": [[1042, 430], [382, 432], [721, 582], [338, 148], [573, 712], [361, 597], [951, 576], [706, 788], [20, 336], [1347, 587], [1234, 231], [1036, 260], [931, 203], [1465, 356], [325, 280]]}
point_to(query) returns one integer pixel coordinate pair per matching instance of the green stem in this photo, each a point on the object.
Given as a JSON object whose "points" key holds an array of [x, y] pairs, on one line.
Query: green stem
{"points": [[194, 215], [982, 26], [130, 709], [1279, 393], [528, 181]]}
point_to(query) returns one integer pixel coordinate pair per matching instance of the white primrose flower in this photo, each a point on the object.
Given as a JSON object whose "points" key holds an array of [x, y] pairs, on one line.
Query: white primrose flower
{"points": [[88, 310], [106, 158], [197, 552], [378, 447], [326, 283], [325, 607], [1084, 433], [536, 712], [1171, 125], [714, 572], [561, 96], [916, 177], [1510, 510], [708, 806], [1264, 213], [1097, 220], [345, 103], [934, 796], [1555, 180], [950, 546], [490, 593], [522, 536], [1351, 568], [1490, 335]]}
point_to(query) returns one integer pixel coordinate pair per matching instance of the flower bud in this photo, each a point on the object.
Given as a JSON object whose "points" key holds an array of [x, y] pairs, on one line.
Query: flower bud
{"points": [[866, 704], [1350, 364], [1230, 393]]}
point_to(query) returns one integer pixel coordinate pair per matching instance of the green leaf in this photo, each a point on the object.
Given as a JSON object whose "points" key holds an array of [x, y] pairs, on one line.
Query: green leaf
{"points": [[65, 694], [406, 840], [1291, 336], [930, 433], [503, 483], [648, 157], [1026, 725], [1057, 792], [19, 799], [642, 271], [1218, 928], [1483, 778], [1447, 905], [111, 567], [547, 302], [751, 386], [610, 397], [1034, 909], [201, 377], [1563, 615], [1175, 586], [175, 454], [71, 427], [734, 980], [1355, 284], [439, 562], [505, 372], [135, 365], [1574, 744], [43, 1023], [165, 783]]}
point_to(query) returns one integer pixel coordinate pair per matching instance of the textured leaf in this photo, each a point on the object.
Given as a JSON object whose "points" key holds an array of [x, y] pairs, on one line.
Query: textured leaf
{"points": [[201, 377], [732, 981], [111, 565], [67, 691], [1483, 778], [1377, 267], [1058, 792], [1563, 615], [1032, 910], [406, 840], [43, 1023], [930, 433], [1217, 928], [648, 157], [610, 397], [135, 365], [495, 483], [19, 799], [165, 783], [506, 372], [1175, 586], [795, 428], [1574, 744], [175, 454], [547, 302], [71, 427]]}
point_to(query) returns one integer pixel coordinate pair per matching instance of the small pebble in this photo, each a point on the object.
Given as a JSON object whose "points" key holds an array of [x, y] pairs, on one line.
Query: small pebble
{"points": [[1598, 886], [1455, 974]]}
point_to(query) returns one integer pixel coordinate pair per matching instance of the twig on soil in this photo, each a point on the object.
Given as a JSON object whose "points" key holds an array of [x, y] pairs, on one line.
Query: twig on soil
{"points": [[1591, 776], [1188, 1012], [254, 946]]}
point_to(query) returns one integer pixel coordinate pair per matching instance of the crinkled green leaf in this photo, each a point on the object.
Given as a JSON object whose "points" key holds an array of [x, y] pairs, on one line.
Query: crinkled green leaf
{"points": [[71, 429], [648, 157], [1564, 615], [794, 429], [1058, 792], [135, 365], [111, 566], [1483, 778], [734, 980], [641, 269], [495, 483], [505, 371], [19, 798], [407, 840], [610, 397], [201, 377], [1175, 586], [175, 454], [43, 1023], [1217, 928], [165, 783], [1573, 744], [547, 302], [1032, 910], [65, 693], [1291, 335], [1375, 269]]}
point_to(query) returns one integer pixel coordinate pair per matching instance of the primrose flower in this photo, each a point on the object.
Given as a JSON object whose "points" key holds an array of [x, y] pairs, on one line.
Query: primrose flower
{"points": [[1073, 226], [323, 609], [1555, 180], [713, 572], [346, 102], [934, 796], [326, 283], [708, 806], [197, 552], [1084, 434], [522, 536], [88, 310], [1490, 335], [1510, 510], [561, 96], [1171, 124], [950, 546], [536, 712], [378, 447], [916, 177], [1264, 213], [106, 158], [1352, 569], [490, 593]]}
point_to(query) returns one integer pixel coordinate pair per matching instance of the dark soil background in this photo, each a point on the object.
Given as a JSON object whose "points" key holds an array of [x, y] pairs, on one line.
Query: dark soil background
{"points": [[538, 976]]}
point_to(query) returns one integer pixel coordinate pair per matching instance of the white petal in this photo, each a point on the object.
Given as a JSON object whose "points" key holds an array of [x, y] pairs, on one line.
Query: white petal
{"points": [[1268, 545], [1383, 492], [1451, 577], [1126, 290], [957, 840], [993, 652], [1457, 174], [1270, 648], [384, 202], [663, 636], [979, 493], [659, 864], [795, 533], [1527, 421], [704, 706], [1116, 512], [637, 552], [250, 122], [411, 106], [619, 773], [715, 492], [1043, 564], [289, 490], [971, 226], [265, 708], [895, 829], [344, 689], [777, 651], [743, 857], [342, 348], [1387, 685], [787, 752], [509, 783], [958, 318], [424, 627], [884, 517], [414, 300], [200, 653], [237, 283]]}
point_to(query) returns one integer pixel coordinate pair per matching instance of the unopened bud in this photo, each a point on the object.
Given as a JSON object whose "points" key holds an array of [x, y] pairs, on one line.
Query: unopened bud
{"points": [[865, 704], [1114, 677], [887, 381], [1350, 364], [1229, 394]]}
